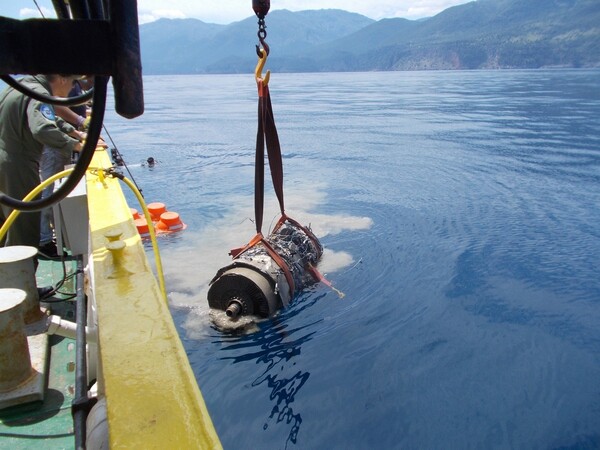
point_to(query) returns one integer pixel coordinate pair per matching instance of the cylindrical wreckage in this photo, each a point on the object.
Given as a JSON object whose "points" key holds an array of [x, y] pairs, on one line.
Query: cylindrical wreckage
{"points": [[261, 279]]}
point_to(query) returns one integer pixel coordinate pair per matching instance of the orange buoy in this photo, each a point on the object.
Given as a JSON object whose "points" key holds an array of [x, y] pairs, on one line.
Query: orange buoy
{"points": [[134, 213], [156, 209], [169, 222], [142, 227]]}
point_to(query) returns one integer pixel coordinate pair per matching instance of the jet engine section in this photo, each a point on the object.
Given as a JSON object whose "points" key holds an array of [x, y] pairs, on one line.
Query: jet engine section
{"points": [[256, 284]]}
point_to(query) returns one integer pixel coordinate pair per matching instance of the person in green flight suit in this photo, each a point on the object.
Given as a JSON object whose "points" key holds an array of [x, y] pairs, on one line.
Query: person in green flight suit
{"points": [[26, 125]]}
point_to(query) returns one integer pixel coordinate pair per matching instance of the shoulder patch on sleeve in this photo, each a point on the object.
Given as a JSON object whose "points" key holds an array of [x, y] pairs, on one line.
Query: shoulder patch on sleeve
{"points": [[47, 112]]}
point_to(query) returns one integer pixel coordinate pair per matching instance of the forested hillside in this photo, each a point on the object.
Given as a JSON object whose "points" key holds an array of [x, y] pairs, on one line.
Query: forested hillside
{"points": [[482, 34]]}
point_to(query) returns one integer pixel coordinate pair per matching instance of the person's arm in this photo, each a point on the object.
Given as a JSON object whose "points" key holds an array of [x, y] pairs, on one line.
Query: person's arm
{"points": [[42, 123], [70, 116]]}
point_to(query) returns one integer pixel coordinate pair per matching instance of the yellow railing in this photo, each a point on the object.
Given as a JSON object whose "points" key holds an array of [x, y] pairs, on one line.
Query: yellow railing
{"points": [[153, 399]]}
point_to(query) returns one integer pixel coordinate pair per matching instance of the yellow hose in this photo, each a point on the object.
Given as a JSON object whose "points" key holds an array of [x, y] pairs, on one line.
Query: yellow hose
{"points": [[33, 194], [159, 268], [39, 188]]}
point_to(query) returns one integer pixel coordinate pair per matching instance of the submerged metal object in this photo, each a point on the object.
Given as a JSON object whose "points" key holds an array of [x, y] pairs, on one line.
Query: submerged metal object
{"points": [[255, 284]]}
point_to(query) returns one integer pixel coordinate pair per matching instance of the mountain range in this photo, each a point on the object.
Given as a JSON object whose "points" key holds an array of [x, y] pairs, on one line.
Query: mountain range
{"points": [[483, 34]]}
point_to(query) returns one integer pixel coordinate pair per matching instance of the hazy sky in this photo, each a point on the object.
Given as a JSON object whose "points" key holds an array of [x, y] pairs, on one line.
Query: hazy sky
{"points": [[228, 11]]}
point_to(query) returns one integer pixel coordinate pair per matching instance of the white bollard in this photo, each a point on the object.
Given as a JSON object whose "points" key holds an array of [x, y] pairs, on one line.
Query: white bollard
{"points": [[15, 362], [17, 271]]}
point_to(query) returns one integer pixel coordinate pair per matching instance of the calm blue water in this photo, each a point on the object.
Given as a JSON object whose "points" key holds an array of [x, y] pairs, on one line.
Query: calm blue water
{"points": [[460, 213]]}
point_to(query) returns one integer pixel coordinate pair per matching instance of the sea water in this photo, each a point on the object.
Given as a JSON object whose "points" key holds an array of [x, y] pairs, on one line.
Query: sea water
{"points": [[460, 213]]}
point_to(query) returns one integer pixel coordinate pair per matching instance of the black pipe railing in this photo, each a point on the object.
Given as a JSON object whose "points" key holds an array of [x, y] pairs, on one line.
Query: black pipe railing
{"points": [[81, 405]]}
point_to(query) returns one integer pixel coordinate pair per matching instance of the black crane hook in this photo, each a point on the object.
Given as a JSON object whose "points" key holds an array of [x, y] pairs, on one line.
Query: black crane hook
{"points": [[261, 8]]}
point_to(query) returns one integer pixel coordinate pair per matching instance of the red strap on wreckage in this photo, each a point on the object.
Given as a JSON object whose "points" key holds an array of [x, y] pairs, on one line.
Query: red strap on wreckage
{"points": [[318, 276]]}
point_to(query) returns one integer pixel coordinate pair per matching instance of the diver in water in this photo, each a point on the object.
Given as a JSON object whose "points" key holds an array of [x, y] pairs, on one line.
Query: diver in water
{"points": [[150, 162]]}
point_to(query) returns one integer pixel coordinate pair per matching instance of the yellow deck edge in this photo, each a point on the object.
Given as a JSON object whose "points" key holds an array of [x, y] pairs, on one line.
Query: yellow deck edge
{"points": [[153, 399]]}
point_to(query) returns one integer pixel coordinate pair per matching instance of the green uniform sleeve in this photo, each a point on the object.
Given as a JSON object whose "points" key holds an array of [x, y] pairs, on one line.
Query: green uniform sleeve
{"points": [[64, 126], [43, 126]]}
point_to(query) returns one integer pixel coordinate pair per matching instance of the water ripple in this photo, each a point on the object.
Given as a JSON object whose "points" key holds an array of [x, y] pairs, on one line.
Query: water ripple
{"points": [[459, 211]]}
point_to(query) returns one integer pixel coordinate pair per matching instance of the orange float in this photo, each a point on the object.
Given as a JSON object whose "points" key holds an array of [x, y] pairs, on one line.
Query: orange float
{"points": [[156, 209], [134, 213], [163, 221], [142, 227], [169, 222]]}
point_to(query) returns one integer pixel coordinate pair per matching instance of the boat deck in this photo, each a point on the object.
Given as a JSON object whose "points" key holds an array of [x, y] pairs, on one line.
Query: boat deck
{"points": [[149, 392], [48, 424]]}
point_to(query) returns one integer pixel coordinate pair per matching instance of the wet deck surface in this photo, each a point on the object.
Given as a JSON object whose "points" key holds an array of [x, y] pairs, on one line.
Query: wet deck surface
{"points": [[48, 424]]}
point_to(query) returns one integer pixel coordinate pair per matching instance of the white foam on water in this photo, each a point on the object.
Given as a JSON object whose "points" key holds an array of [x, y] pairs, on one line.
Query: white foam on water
{"points": [[189, 271]]}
